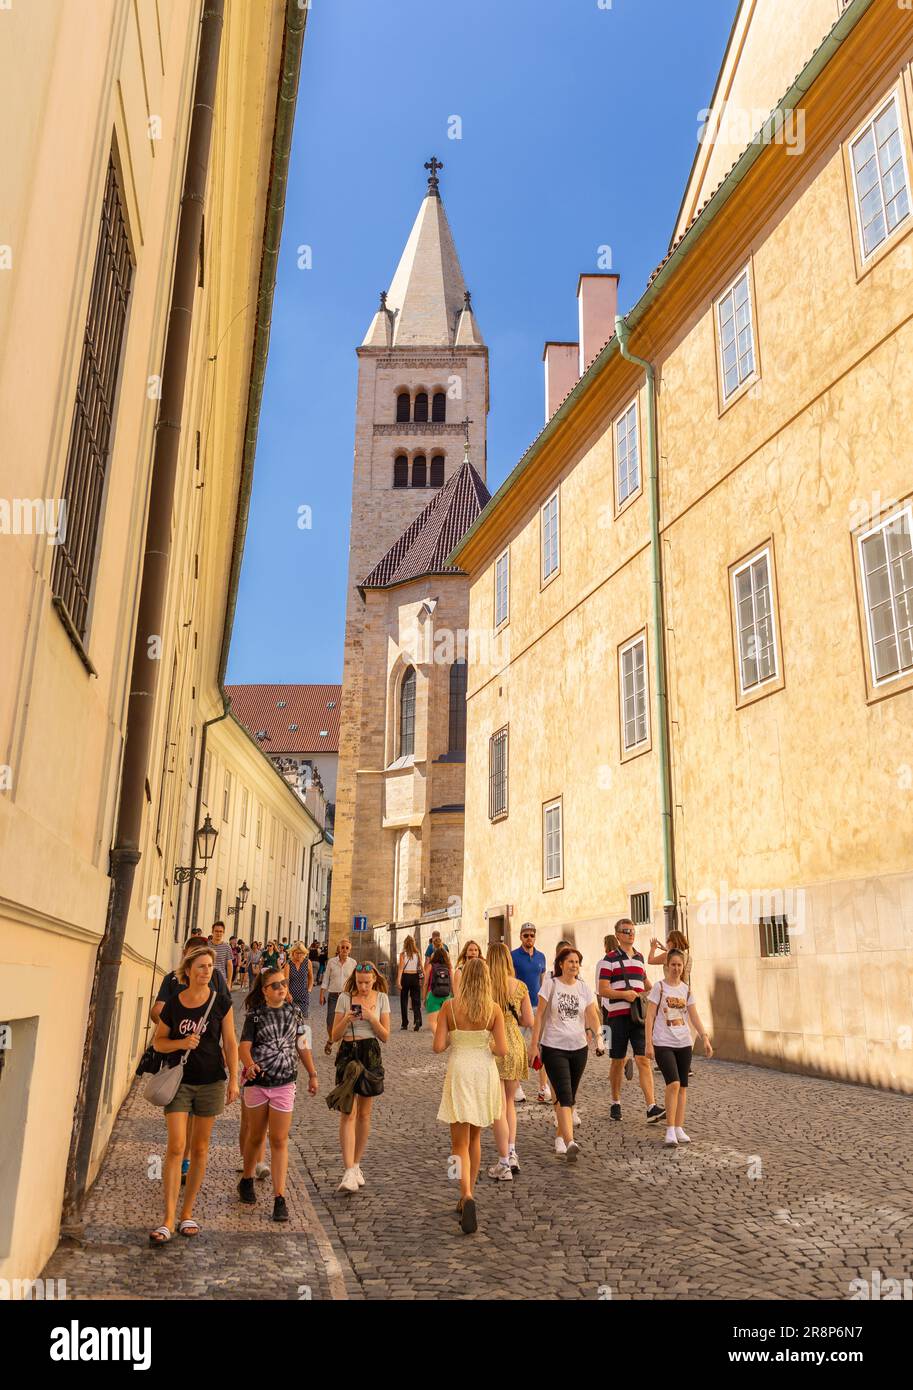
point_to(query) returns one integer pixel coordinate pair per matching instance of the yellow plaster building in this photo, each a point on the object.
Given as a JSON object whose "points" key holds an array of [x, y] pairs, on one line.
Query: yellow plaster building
{"points": [[128, 213], [706, 711]]}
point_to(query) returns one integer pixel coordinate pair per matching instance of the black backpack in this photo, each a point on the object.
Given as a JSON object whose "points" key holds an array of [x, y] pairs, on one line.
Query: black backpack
{"points": [[440, 981]]}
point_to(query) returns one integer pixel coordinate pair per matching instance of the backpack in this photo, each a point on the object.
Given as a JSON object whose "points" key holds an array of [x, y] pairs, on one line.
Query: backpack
{"points": [[440, 981]]}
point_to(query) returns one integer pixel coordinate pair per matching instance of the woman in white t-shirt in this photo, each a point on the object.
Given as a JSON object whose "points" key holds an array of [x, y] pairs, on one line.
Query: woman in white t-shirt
{"points": [[566, 1015], [670, 1004], [409, 984]]}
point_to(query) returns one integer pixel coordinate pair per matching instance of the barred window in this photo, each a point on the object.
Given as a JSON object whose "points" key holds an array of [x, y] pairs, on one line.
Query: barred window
{"points": [[407, 714], [93, 413], [497, 774], [458, 678], [774, 936], [640, 909]]}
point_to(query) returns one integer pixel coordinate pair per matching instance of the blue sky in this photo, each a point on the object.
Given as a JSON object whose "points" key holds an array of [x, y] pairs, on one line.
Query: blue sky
{"points": [[579, 124]]}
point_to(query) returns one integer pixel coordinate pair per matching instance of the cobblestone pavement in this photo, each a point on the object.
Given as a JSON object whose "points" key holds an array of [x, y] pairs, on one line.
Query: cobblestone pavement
{"points": [[792, 1188]]}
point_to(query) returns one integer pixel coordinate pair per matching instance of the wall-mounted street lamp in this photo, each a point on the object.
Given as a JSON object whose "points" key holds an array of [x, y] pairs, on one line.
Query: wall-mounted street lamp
{"points": [[241, 898], [206, 838]]}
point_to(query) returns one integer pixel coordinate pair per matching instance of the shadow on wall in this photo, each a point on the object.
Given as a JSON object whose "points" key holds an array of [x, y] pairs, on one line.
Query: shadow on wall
{"points": [[727, 1030]]}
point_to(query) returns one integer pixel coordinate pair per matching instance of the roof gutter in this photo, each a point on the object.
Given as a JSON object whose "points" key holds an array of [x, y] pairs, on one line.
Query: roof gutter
{"points": [[819, 60]]}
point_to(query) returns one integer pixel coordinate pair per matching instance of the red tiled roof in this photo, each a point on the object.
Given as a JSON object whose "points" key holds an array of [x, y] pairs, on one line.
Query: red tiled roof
{"points": [[424, 546], [292, 715]]}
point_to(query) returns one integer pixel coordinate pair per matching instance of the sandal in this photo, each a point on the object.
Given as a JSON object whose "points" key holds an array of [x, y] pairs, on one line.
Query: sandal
{"points": [[160, 1236], [189, 1228], [468, 1221]]}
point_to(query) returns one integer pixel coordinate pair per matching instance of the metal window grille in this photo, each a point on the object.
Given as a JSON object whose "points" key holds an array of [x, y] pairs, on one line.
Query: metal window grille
{"points": [[439, 408], [736, 335], [640, 909], [627, 459], [437, 472], [458, 679], [93, 413], [497, 774], [880, 176], [774, 933], [407, 714], [754, 618]]}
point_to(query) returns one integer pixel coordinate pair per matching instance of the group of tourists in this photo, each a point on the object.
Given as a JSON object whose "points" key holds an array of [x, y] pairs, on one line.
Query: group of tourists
{"points": [[496, 1016]]}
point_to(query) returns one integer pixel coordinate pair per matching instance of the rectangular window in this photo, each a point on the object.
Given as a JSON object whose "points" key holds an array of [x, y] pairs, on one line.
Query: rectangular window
{"points": [[552, 847], [737, 353], [886, 561], [640, 909], [633, 674], [244, 809], [92, 427], [880, 178], [284, 844], [497, 774], [207, 767], [627, 455], [226, 796], [502, 588], [551, 555], [774, 932], [253, 921], [218, 910], [259, 826], [267, 924], [755, 627], [272, 839]]}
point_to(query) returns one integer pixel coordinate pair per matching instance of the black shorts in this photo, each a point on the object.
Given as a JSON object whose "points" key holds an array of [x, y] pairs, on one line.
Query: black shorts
{"points": [[674, 1063], [564, 1070], [624, 1031]]}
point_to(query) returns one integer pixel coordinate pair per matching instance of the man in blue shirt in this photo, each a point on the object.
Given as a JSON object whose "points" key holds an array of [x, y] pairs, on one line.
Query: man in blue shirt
{"points": [[529, 966]]}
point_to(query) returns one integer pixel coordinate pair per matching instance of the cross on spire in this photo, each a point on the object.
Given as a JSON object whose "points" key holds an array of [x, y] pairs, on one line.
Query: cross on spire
{"points": [[433, 164], [466, 423]]}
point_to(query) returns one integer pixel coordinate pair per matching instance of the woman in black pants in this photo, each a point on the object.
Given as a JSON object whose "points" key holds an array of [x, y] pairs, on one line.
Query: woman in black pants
{"points": [[566, 1016], [409, 982], [670, 1005]]}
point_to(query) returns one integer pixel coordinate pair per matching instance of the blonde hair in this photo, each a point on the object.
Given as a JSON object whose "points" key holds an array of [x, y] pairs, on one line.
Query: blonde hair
{"points": [[461, 958], [503, 975], [190, 956], [476, 999], [297, 946]]}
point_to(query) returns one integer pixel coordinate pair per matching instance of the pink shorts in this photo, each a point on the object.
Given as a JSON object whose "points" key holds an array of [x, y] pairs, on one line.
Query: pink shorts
{"points": [[278, 1097]]}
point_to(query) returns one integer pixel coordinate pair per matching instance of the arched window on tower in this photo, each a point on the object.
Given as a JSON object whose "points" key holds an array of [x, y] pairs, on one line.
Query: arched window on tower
{"points": [[459, 672], [407, 714], [421, 407], [402, 408], [439, 407], [419, 471], [437, 472], [401, 471]]}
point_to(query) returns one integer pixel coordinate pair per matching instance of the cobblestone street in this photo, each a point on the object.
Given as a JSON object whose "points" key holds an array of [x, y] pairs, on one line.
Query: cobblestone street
{"points": [[792, 1188]]}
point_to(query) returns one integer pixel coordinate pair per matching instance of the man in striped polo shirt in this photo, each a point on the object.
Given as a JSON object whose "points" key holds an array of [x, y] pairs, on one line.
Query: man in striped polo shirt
{"points": [[622, 977]]}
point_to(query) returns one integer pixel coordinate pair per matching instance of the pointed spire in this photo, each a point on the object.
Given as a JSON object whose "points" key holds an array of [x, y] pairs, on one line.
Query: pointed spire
{"points": [[427, 303]]}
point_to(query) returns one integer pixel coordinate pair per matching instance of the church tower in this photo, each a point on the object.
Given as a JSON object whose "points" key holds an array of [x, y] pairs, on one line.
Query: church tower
{"points": [[421, 413]]}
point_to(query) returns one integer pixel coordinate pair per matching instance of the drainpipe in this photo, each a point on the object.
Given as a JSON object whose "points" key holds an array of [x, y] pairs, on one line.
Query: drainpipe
{"points": [[125, 853], [622, 332], [307, 901]]}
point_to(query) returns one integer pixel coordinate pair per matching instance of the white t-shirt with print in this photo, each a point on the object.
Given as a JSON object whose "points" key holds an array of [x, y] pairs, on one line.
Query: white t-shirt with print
{"points": [[670, 1027], [565, 1021]]}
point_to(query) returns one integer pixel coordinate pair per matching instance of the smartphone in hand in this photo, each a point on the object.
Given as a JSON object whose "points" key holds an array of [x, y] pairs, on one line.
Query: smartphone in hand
{"points": [[355, 1010]]}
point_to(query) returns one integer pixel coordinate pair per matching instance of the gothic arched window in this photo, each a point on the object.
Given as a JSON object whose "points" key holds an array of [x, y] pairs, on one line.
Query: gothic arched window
{"points": [[437, 472], [419, 471], [407, 713], [402, 407], [401, 471], [459, 672], [421, 407], [439, 407]]}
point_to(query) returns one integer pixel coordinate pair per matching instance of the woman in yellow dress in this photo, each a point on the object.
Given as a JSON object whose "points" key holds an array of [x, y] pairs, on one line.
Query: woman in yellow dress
{"points": [[472, 1027], [512, 998]]}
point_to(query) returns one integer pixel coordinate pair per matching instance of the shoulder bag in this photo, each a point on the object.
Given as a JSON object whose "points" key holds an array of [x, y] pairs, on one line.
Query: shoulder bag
{"points": [[637, 1006], [162, 1088]]}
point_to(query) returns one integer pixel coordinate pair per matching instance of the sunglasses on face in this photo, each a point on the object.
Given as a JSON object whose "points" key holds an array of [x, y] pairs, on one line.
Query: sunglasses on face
{"points": [[280, 984]]}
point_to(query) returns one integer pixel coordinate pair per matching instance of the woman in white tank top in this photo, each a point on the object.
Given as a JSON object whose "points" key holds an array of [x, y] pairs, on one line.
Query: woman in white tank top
{"points": [[408, 982]]}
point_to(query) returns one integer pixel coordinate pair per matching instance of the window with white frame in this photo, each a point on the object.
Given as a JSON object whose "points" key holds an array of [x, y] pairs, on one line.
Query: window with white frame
{"points": [[737, 354], [502, 588], [259, 826], [497, 774], [552, 847], [627, 454], [754, 618], [633, 671], [550, 547], [886, 561], [226, 796], [244, 808], [880, 177]]}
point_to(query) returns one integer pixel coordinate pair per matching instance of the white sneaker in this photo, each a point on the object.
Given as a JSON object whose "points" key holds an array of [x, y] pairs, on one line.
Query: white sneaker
{"points": [[544, 1096], [576, 1116], [359, 1175], [681, 1136], [262, 1170], [560, 1146], [671, 1141], [519, 1096], [514, 1161], [573, 1150], [349, 1181], [501, 1172]]}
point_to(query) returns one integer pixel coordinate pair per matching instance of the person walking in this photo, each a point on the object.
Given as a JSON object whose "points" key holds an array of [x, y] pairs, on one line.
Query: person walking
{"points": [[438, 985], [270, 957], [322, 961], [223, 953], [472, 1027], [610, 944], [299, 977], [338, 973], [566, 1017], [512, 998], [197, 1020], [471, 951], [253, 965], [409, 984], [622, 983], [530, 966], [435, 944], [243, 963], [670, 1006], [274, 1037], [314, 957], [362, 1024]]}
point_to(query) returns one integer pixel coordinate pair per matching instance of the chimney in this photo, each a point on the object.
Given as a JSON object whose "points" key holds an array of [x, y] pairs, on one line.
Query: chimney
{"points": [[597, 303], [561, 374]]}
